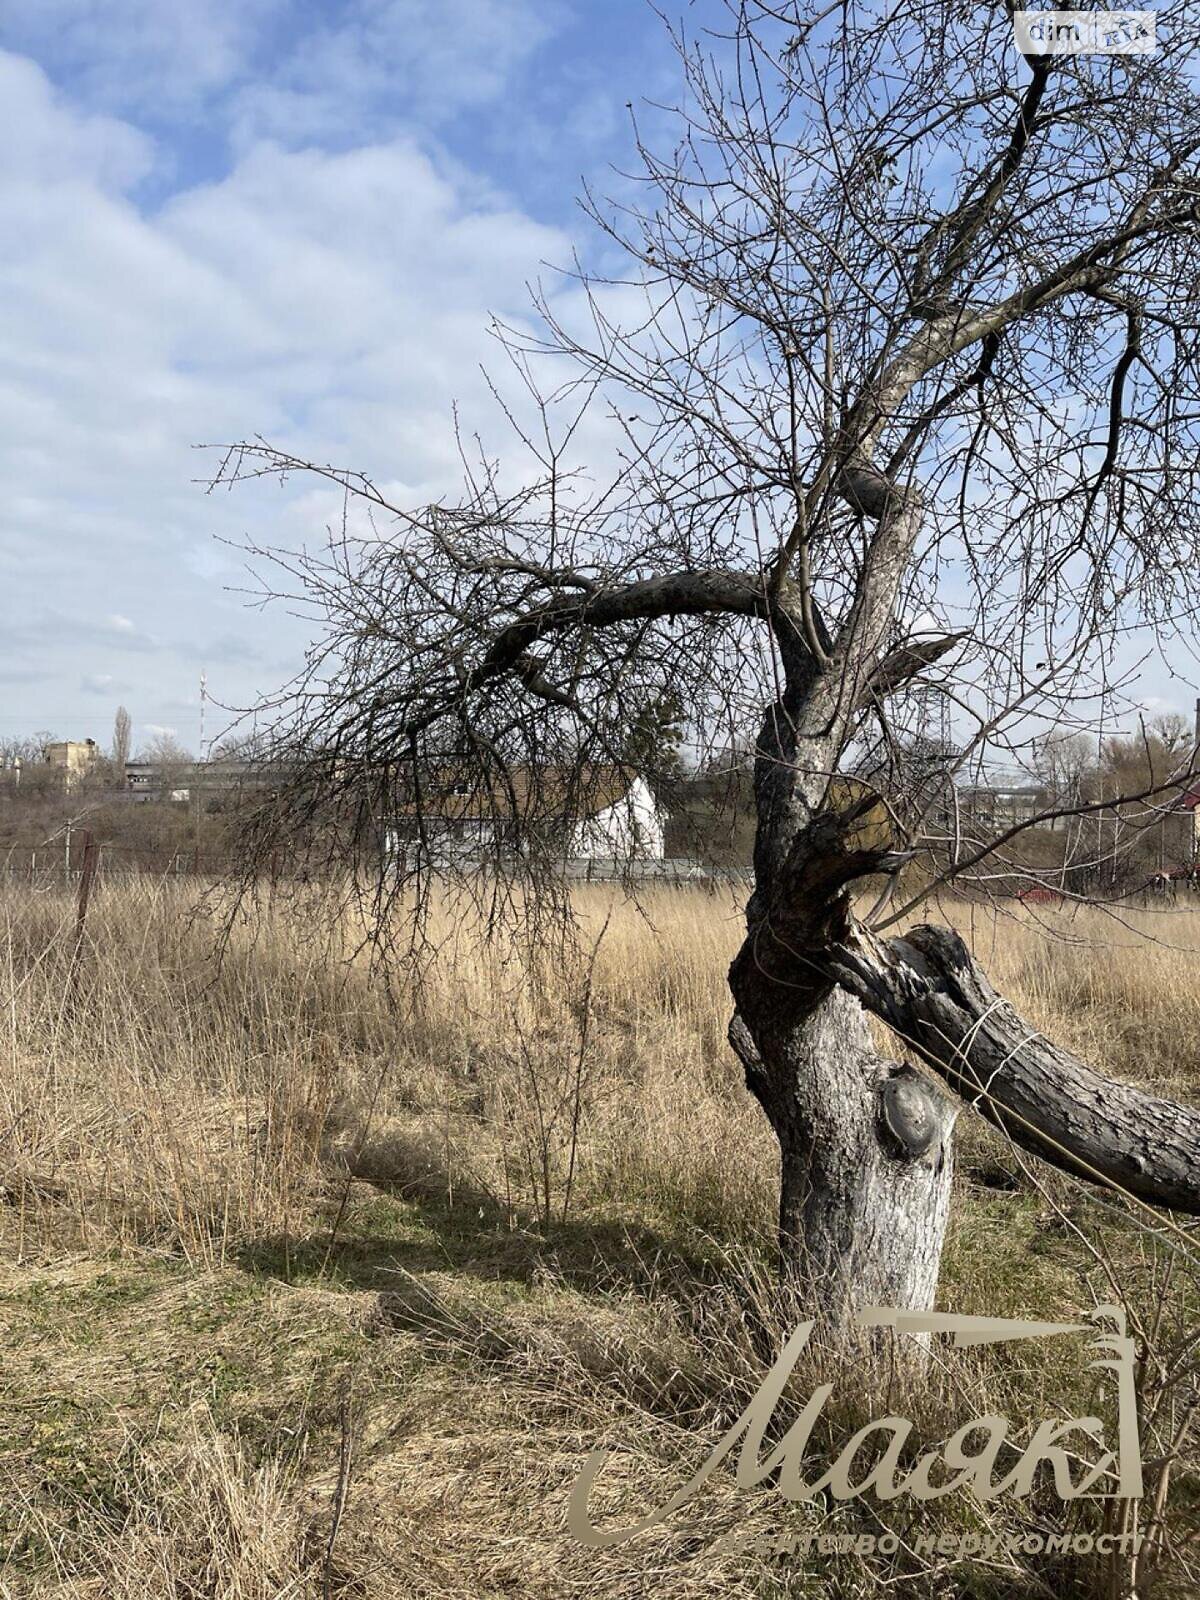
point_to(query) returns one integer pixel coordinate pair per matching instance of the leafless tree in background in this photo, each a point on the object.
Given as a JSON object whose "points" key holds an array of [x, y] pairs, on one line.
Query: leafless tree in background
{"points": [[901, 369], [172, 760], [24, 748], [122, 743]]}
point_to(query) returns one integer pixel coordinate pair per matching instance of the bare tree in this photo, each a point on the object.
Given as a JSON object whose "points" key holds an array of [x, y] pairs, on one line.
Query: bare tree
{"points": [[171, 759], [1063, 762], [900, 390], [24, 748], [122, 743]]}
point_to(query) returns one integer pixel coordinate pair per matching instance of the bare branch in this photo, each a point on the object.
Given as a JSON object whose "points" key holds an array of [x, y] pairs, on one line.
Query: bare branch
{"points": [[928, 989]]}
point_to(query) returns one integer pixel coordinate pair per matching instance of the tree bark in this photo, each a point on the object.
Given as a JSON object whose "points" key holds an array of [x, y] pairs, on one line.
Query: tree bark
{"points": [[865, 1142], [865, 1158], [927, 987]]}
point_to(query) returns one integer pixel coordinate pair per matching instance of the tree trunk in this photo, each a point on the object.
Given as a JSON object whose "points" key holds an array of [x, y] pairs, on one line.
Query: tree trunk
{"points": [[865, 1156], [865, 1142]]}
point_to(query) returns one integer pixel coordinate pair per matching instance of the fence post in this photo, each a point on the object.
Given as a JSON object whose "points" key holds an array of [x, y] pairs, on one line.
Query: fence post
{"points": [[86, 873]]}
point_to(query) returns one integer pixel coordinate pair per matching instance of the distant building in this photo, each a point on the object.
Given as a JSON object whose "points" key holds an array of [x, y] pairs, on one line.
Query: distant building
{"points": [[631, 826], [182, 780], [141, 777], [73, 758], [1001, 806], [599, 813]]}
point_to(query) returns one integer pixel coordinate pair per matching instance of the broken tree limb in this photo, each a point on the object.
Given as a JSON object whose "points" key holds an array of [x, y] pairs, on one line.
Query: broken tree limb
{"points": [[927, 987], [910, 659]]}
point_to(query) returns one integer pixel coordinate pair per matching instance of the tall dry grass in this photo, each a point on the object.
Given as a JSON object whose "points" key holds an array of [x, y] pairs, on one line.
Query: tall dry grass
{"points": [[157, 1099], [169, 1097]]}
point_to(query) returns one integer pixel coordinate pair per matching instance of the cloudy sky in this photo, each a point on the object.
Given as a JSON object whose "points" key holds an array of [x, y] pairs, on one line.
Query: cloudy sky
{"points": [[292, 218], [285, 217]]}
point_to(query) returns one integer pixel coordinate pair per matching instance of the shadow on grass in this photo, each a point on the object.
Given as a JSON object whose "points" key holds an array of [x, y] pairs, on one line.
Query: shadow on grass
{"points": [[389, 1229]]}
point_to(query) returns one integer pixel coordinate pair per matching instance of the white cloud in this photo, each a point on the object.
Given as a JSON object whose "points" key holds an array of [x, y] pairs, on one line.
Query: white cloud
{"points": [[280, 69], [103, 683], [46, 142], [335, 302], [132, 54], [382, 61]]}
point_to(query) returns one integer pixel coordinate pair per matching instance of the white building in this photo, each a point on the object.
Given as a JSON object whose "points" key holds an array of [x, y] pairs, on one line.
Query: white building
{"points": [[599, 813], [632, 827]]}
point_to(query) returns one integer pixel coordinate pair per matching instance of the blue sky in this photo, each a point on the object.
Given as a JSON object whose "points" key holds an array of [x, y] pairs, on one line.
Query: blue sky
{"points": [[221, 218], [286, 217]]}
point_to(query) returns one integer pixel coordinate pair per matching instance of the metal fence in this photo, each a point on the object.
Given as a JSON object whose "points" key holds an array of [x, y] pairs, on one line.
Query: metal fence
{"points": [[60, 860], [665, 869], [57, 863]]}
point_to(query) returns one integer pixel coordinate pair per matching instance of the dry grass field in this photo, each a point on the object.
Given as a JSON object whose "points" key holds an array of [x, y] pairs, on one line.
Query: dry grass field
{"points": [[312, 1287]]}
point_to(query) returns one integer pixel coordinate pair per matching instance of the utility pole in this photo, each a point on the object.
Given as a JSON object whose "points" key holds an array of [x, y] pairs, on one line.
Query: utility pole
{"points": [[198, 775]]}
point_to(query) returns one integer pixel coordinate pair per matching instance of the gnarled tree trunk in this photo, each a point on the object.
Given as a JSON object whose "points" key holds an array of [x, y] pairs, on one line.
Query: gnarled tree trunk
{"points": [[865, 1154], [865, 1141]]}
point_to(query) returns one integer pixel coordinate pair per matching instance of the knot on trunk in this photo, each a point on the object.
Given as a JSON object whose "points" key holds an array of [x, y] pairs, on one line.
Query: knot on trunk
{"points": [[910, 1116], [872, 493], [944, 953]]}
